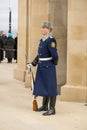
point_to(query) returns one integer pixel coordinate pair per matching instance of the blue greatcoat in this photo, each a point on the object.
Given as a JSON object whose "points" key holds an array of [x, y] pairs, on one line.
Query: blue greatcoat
{"points": [[45, 81]]}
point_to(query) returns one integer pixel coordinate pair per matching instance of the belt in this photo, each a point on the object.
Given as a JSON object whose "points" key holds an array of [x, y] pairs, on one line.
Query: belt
{"points": [[45, 59]]}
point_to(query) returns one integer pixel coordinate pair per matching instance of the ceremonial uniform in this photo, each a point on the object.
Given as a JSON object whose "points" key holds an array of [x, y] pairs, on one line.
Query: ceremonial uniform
{"points": [[47, 58], [45, 81]]}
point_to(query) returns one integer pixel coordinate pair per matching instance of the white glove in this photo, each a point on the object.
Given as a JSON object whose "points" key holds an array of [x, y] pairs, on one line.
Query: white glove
{"points": [[29, 65]]}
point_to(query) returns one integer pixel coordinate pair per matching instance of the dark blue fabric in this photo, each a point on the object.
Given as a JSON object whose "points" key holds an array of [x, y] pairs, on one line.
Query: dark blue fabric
{"points": [[45, 81]]}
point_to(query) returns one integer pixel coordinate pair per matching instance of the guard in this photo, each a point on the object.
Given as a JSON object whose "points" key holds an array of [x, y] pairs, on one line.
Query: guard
{"points": [[46, 59]]}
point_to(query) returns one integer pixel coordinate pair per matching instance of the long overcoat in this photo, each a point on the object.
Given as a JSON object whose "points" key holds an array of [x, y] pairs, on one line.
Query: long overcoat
{"points": [[9, 47], [45, 81]]}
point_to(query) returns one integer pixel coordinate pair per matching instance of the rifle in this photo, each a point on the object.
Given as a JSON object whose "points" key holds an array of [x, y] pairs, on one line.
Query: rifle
{"points": [[35, 104]]}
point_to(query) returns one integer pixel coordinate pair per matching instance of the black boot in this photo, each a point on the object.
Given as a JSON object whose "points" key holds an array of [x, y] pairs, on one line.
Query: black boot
{"points": [[44, 106], [51, 110]]}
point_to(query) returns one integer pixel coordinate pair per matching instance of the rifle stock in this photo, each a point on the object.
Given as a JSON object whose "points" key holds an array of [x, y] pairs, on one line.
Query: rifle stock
{"points": [[35, 104]]}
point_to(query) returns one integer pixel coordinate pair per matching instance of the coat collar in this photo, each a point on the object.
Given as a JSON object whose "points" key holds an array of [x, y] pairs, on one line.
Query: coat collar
{"points": [[45, 37]]}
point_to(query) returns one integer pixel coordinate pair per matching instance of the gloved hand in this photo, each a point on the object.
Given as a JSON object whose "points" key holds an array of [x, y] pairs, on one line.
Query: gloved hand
{"points": [[29, 65]]}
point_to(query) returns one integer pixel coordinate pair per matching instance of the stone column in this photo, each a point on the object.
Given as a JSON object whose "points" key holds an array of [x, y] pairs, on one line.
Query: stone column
{"points": [[19, 72], [76, 86]]}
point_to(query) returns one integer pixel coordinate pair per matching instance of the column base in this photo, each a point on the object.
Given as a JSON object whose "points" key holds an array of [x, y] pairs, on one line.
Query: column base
{"points": [[73, 93], [19, 74]]}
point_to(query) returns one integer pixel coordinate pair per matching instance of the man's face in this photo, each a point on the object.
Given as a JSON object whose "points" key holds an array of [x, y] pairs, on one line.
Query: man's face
{"points": [[45, 31]]}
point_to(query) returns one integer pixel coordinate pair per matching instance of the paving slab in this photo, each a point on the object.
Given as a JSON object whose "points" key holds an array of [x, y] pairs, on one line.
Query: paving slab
{"points": [[16, 107]]}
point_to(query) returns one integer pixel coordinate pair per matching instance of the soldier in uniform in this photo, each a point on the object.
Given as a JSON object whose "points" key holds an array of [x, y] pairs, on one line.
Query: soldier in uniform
{"points": [[45, 80]]}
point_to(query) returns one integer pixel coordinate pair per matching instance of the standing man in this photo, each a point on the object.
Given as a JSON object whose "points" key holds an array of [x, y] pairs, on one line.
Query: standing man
{"points": [[46, 59], [9, 47]]}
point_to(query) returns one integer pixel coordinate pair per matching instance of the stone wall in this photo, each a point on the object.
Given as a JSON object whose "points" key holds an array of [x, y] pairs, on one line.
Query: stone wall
{"points": [[76, 87]]}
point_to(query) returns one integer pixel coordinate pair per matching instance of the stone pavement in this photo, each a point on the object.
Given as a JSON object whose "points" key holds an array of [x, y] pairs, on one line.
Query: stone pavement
{"points": [[16, 108]]}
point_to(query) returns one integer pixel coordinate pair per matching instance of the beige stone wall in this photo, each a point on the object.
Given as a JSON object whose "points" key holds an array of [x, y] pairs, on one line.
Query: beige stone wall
{"points": [[77, 42], [76, 87]]}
